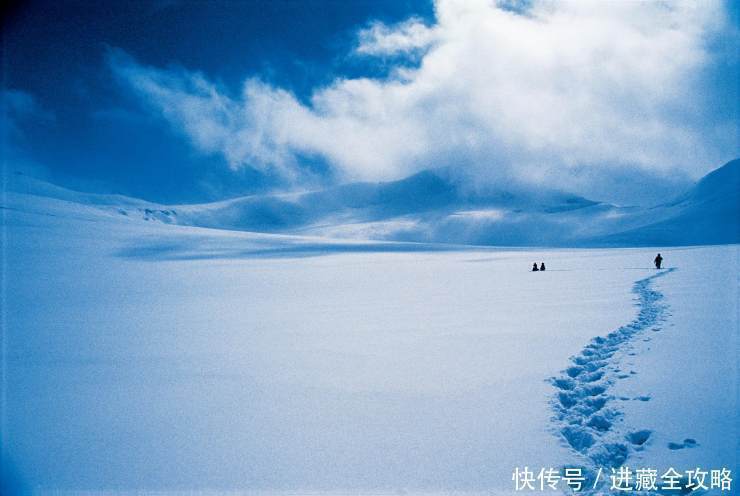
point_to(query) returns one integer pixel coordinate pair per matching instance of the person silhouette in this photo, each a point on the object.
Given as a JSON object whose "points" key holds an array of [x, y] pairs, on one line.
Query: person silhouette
{"points": [[542, 266], [534, 267], [658, 261]]}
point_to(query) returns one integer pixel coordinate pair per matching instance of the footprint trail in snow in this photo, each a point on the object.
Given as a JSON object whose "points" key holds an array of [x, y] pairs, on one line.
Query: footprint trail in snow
{"points": [[587, 417]]}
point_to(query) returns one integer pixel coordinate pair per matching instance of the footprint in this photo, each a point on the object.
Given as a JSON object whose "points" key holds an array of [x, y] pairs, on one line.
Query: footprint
{"points": [[593, 405], [578, 438], [567, 399], [638, 438], [566, 384], [610, 455], [593, 390], [600, 423], [582, 360], [687, 443], [594, 366], [643, 398], [591, 377], [574, 371]]}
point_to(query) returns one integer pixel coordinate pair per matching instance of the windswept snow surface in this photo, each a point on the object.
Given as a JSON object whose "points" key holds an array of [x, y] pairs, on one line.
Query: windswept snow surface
{"points": [[146, 356]]}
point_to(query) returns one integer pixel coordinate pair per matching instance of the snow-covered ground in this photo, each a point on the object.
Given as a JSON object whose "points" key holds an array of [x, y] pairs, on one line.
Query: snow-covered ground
{"points": [[145, 356]]}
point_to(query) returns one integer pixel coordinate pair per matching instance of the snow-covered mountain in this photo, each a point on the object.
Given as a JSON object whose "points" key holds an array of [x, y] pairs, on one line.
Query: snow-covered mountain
{"points": [[434, 206], [428, 206], [709, 213]]}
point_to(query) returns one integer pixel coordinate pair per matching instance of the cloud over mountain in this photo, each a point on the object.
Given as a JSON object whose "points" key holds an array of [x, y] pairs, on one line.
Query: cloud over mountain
{"points": [[536, 93]]}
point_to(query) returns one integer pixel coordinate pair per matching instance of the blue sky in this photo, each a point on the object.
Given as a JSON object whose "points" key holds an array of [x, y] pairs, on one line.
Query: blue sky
{"points": [[192, 101]]}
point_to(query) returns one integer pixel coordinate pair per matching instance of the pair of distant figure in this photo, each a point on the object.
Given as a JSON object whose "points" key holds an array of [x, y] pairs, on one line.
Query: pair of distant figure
{"points": [[658, 261], [535, 269]]}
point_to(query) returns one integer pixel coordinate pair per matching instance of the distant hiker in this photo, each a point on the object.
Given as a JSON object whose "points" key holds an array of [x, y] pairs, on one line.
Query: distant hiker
{"points": [[534, 267], [658, 261], [542, 266]]}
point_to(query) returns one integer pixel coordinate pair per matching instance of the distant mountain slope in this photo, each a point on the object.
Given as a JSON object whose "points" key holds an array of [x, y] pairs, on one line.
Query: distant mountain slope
{"points": [[434, 207], [709, 213], [428, 195]]}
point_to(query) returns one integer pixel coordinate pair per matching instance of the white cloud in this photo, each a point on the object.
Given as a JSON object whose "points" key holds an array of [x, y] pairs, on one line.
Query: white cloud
{"points": [[404, 38], [497, 93]]}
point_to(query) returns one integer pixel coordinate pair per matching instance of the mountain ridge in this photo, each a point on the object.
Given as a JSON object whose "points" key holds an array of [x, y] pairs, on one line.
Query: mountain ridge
{"points": [[433, 207]]}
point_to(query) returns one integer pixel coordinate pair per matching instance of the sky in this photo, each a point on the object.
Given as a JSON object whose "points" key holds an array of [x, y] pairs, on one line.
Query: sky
{"points": [[189, 101]]}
